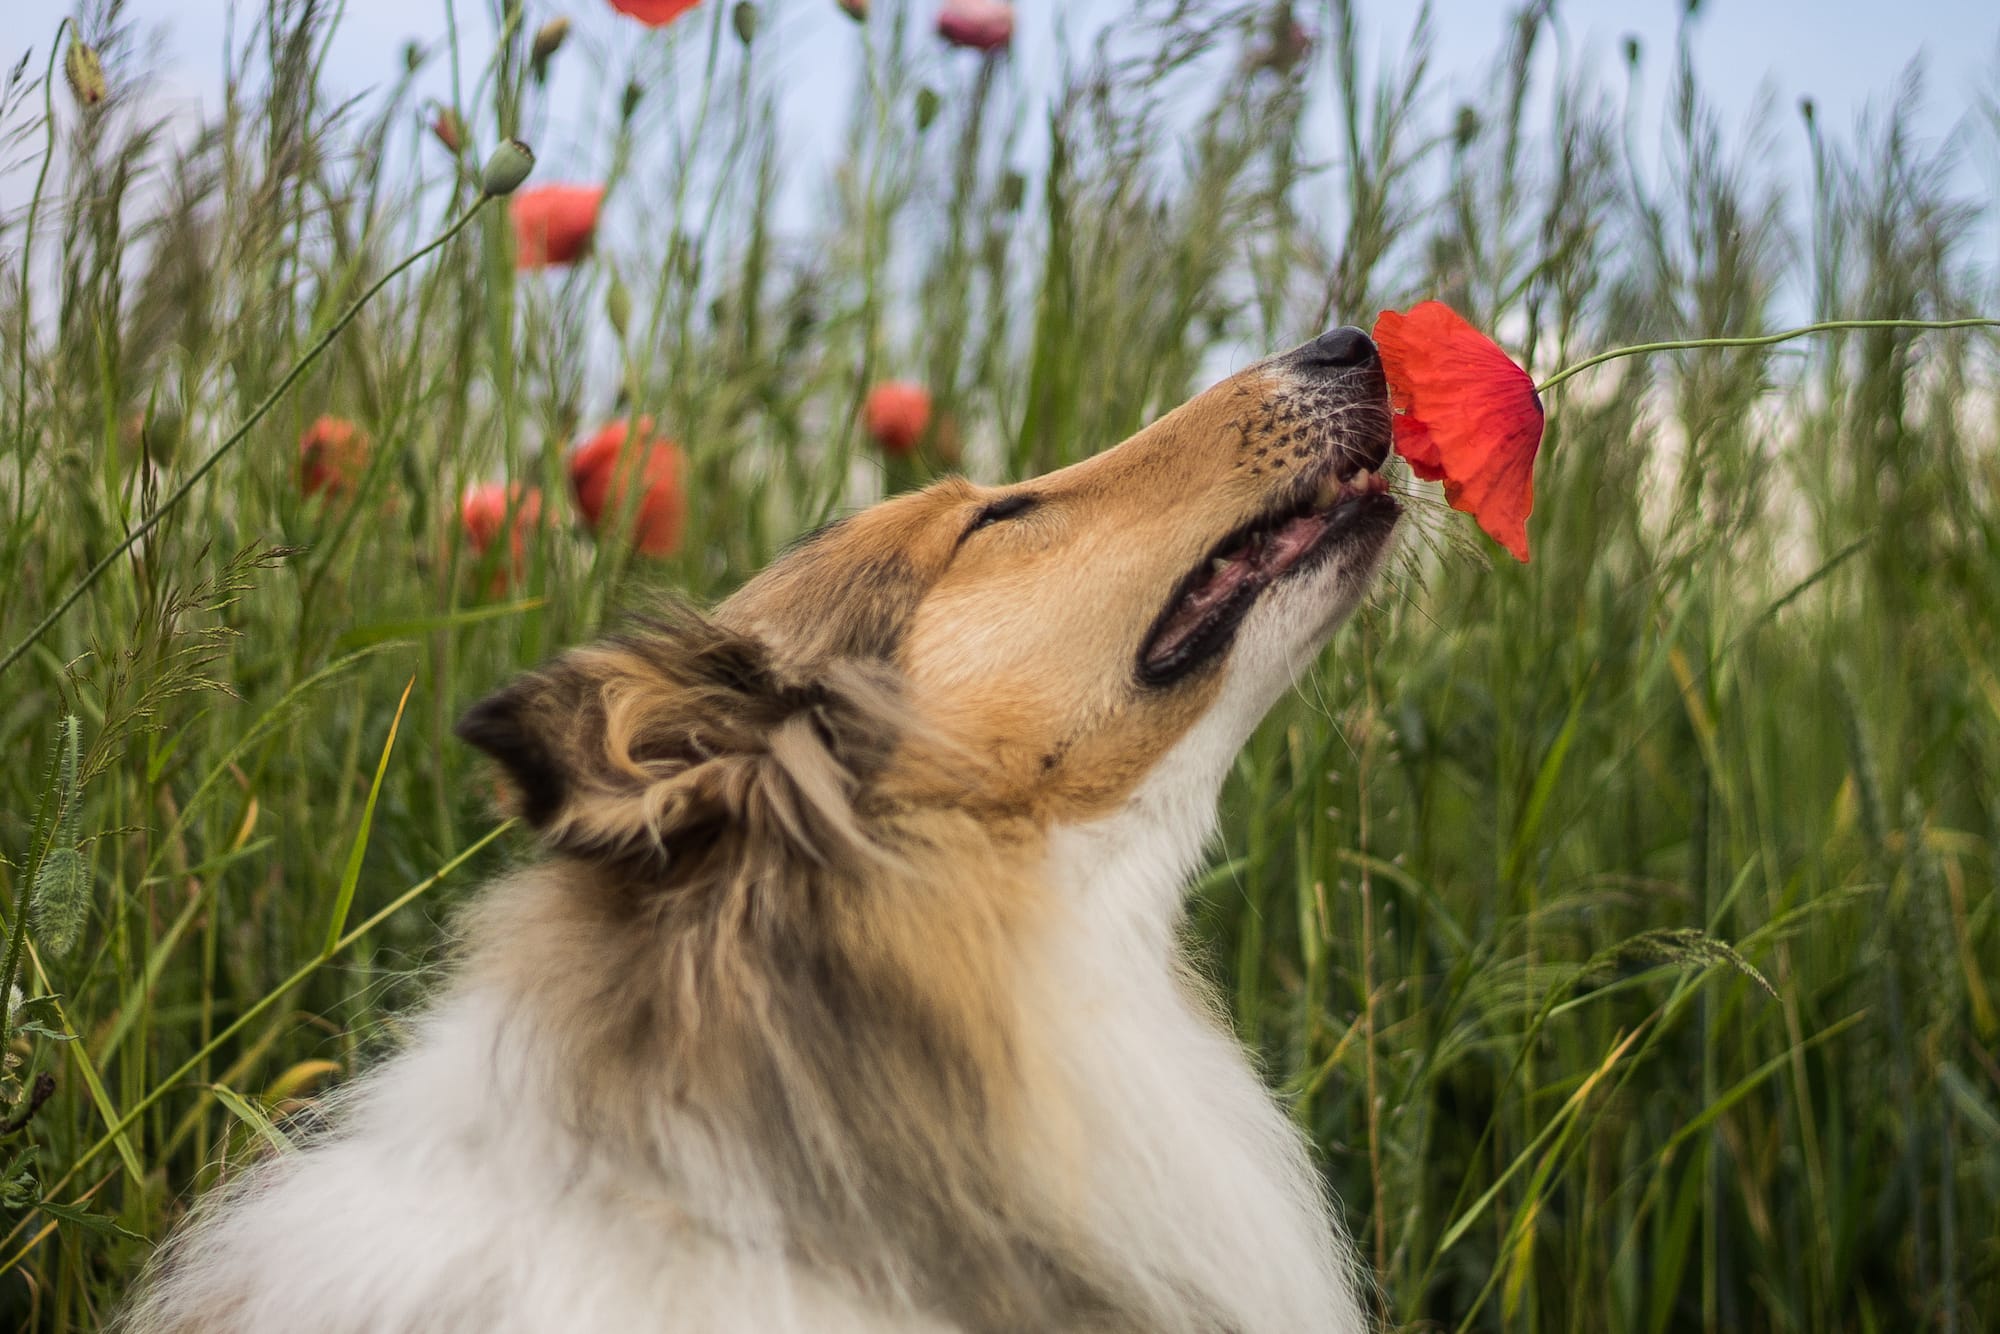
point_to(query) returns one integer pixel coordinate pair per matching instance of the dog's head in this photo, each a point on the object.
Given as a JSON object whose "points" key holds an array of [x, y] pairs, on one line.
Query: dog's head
{"points": [[1028, 653]]}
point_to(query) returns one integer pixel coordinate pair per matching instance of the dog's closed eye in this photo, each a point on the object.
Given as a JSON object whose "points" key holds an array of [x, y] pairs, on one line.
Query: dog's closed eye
{"points": [[1007, 507]]}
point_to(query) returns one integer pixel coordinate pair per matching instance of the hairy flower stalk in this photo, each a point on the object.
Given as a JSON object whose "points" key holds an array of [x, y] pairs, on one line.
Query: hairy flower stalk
{"points": [[1759, 340]]}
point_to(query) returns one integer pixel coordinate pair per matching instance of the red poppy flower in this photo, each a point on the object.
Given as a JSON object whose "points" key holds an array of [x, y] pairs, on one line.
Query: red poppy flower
{"points": [[983, 25], [554, 224], [332, 456], [654, 13], [483, 511], [1466, 415], [896, 414], [600, 470]]}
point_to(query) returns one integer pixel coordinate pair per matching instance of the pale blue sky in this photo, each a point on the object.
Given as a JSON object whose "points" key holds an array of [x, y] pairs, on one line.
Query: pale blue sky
{"points": [[1836, 50], [1841, 52], [1845, 54]]}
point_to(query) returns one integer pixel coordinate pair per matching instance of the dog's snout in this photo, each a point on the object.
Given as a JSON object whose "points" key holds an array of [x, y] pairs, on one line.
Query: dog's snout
{"points": [[1344, 349]]}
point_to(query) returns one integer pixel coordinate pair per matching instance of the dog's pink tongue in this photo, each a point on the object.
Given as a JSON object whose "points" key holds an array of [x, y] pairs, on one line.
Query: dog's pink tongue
{"points": [[1195, 605], [1289, 543], [1262, 560]]}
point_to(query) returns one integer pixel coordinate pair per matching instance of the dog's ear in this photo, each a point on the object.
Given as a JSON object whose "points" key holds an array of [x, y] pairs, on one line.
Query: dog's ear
{"points": [[652, 746]]}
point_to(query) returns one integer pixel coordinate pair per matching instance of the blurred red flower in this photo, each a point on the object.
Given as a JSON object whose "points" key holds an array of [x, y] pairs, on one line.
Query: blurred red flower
{"points": [[554, 224], [332, 456], [600, 470], [654, 13], [983, 25], [1465, 415], [896, 414], [482, 512]]}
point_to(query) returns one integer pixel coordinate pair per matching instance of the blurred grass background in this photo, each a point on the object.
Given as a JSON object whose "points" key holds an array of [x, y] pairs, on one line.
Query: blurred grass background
{"points": [[1501, 883]]}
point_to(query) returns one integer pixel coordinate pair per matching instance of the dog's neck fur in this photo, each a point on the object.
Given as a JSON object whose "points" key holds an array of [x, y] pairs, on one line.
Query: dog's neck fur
{"points": [[1201, 1170]]}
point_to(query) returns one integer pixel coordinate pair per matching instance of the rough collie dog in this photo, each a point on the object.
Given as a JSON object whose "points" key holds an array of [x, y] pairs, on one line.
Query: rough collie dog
{"points": [[849, 995]]}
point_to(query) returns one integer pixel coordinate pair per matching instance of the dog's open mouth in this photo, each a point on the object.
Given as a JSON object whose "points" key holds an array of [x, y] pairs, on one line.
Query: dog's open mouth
{"points": [[1203, 615]]}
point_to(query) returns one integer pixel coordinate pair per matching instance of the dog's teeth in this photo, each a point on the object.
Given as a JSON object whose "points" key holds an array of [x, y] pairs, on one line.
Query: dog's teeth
{"points": [[1217, 564]]}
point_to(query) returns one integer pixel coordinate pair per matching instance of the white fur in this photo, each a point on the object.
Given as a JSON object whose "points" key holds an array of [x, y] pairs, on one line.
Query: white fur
{"points": [[452, 1201], [452, 1197], [1199, 1165]]}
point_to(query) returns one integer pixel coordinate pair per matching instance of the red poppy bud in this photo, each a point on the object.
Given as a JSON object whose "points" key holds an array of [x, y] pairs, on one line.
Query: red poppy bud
{"points": [[654, 13], [896, 414], [449, 129], [548, 40], [602, 467], [554, 224], [332, 456], [1465, 415], [983, 25]]}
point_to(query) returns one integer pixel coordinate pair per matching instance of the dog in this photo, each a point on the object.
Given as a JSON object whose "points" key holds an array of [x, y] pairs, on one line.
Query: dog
{"points": [[849, 995]]}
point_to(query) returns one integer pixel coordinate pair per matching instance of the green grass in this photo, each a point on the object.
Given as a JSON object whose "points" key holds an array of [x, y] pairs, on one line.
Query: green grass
{"points": [[1503, 882]]}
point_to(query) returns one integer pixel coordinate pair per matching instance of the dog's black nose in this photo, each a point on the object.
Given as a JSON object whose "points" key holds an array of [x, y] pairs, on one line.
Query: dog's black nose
{"points": [[1342, 349]]}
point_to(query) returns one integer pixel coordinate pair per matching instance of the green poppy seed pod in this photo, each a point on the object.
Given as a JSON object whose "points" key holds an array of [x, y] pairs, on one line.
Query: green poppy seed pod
{"points": [[855, 9], [927, 108], [413, 57], [1632, 50], [548, 40], [507, 168], [629, 103], [618, 306], [744, 16], [85, 73]]}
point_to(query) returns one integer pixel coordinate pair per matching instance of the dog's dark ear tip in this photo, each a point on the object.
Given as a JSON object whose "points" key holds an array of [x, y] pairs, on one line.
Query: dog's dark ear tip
{"points": [[497, 725]]}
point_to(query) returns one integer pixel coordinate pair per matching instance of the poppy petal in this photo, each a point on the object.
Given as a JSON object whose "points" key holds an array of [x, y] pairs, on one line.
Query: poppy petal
{"points": [[654, 13], [982, 25], [599, 472], [554, 224], [1466, 415], [896, 414]]}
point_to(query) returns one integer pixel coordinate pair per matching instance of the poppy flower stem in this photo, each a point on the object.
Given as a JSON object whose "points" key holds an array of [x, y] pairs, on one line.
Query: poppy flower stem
{"points": [[201, 470], [1761, 340]]}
